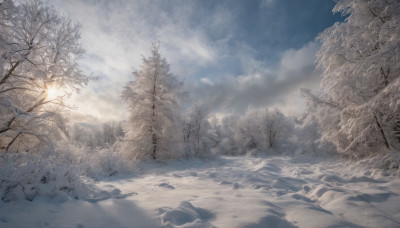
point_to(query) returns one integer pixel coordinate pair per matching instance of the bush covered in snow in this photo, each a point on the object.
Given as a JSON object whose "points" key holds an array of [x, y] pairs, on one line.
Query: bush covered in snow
{"points": [[389, 161], [67, 172], [25, 176]]}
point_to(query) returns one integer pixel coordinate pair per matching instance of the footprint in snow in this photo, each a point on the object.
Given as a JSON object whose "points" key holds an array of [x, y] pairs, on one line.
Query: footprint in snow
{"points": [[303, 198], [225, 183], [306, 188], [115, 192], [305, 171], [237, 186], [166, 185]]}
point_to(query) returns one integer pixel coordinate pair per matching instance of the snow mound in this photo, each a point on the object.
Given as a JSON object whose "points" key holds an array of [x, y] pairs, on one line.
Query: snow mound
{"points": [[185, 215]]}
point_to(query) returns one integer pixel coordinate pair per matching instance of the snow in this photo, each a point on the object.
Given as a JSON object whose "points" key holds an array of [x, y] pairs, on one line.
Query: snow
{"points": [[276, 191]]}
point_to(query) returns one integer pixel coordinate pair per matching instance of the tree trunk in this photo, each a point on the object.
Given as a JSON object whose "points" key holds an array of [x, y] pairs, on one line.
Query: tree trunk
{"points": [[154, 136], [382, 132]]}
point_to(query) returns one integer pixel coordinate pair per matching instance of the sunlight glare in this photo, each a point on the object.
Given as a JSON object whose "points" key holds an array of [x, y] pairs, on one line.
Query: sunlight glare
{"points": [[53, 92]]}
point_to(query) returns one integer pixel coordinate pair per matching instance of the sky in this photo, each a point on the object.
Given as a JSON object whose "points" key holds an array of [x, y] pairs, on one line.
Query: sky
{"points": [[232, 54]]}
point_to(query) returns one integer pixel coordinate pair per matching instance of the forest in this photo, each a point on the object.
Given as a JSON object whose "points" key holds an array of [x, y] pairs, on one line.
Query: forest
{"points": [[351, 120]]}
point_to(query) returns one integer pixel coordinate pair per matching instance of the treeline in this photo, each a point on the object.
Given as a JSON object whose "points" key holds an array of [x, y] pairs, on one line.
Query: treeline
{"points": [[96, 136], [257, 132]]}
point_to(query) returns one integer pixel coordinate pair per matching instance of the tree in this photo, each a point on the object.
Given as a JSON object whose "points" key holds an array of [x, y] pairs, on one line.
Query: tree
{"points": [[108, 133], [248, 132], [153, 130], [39, 53], [226, 130], [358, 107], [262, 130], [195, 131], [274, 127]]}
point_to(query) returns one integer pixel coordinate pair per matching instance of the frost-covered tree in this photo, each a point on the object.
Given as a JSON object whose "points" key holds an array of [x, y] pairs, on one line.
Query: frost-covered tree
{"points": [[225, 130], [215, 131], [359, 105], [196, 131], [96, 136], [256, 131], [273, 127], [153, 129], [262, 130], [39, 53], [248, 131], [307, 132]]}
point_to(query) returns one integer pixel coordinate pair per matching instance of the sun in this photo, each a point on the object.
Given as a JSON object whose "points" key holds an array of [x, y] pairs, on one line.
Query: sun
{"points": [[53, 92]]}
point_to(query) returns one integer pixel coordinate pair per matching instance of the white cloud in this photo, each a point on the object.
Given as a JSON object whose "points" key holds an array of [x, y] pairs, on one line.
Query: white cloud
{"points": [[263, 87], [206, 81], [294, 59]]}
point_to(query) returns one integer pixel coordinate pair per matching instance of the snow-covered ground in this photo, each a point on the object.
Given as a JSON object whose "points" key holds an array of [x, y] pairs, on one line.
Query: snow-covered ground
{"points": [[226, 192]]}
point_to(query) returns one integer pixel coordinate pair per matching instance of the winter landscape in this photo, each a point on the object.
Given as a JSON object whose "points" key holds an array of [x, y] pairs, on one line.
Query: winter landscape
{"points": [[199, 113]]}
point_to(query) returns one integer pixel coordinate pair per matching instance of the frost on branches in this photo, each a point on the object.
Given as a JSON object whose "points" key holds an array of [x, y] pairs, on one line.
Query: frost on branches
{"points": [[153, 129], [262, 130], [359, 107], [257, 132], [196, 131], [39, 53]]}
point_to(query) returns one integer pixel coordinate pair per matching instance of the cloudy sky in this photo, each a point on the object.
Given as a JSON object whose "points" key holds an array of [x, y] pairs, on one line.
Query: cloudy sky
{"points": [[234, 54]]}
